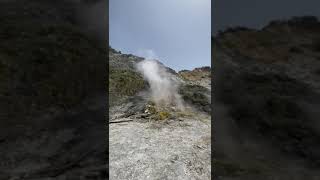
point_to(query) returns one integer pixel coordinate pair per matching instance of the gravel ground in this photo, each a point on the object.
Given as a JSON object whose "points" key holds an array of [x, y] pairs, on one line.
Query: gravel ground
{"points": [[169, 149]]}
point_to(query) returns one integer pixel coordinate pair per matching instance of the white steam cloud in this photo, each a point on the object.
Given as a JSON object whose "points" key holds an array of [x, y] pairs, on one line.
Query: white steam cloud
{"points": [[163, 86], [147, 53]]}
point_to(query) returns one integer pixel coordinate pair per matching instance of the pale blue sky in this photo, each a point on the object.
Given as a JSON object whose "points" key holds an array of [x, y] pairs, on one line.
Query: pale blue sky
{"points": [[177, 32]]}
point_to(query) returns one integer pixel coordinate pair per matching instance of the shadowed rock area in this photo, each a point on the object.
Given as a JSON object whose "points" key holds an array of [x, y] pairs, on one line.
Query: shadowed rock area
{"points": [[52, 93], [266, 98]]}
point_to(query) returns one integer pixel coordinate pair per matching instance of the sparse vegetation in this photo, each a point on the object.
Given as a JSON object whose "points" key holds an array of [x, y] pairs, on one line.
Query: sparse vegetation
{"points": [[162, 115], [196, 74], [123, 83], [157, 113], [195, 95]]}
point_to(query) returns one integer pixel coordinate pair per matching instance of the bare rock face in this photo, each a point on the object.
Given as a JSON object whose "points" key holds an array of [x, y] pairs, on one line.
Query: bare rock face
{"points": [[152, 142], [268, 85]]}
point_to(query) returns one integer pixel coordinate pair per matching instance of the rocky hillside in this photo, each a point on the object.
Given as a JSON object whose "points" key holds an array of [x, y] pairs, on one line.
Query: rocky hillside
{"points": [[199, 76], [267, 93], [51, 69], [124, 80], [160, 142]]}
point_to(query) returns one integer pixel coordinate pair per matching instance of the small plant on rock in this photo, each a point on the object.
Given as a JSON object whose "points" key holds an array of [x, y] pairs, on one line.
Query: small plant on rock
{"points": [[162, 115]]}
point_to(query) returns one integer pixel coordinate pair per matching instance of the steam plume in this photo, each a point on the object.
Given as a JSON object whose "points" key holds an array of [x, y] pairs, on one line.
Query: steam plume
{"points": [[163, 86]]}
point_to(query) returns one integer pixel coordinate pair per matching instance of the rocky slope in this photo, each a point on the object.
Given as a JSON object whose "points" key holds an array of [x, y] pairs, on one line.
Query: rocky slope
{"points": [[151, 142], [267, 98], [198, 76], [52, 93]]}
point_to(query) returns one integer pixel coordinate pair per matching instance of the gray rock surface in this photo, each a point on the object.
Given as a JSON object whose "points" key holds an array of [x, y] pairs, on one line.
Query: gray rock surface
{"points": [[176, 149]]}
